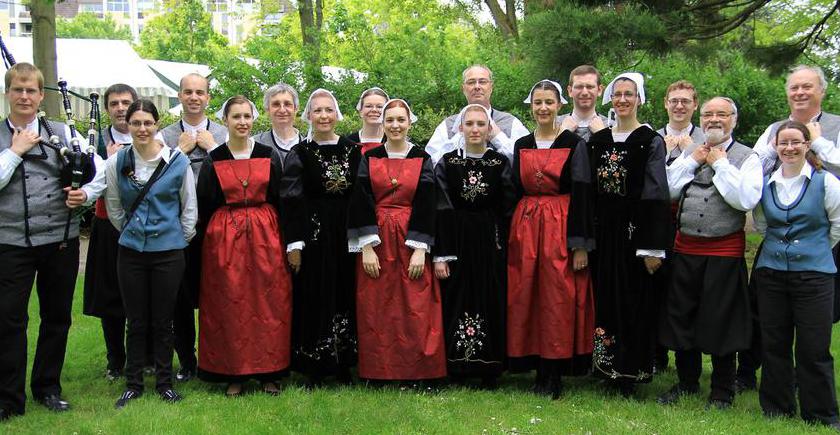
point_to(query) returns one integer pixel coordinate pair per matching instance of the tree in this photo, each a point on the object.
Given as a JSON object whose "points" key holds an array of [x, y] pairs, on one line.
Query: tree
{"points": [[183, 34], [86, 25], [43, 49], [311, 14]]}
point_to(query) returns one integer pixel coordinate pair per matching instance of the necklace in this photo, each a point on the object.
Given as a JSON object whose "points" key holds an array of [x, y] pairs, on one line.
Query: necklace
{"points": [[541, 167], [244, 182]]}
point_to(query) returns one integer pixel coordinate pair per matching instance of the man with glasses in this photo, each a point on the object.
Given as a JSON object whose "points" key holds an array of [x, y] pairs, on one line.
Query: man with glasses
{"points": [[584, 89], [707, 307], [805, 88], [477, 86], [680, 134]]}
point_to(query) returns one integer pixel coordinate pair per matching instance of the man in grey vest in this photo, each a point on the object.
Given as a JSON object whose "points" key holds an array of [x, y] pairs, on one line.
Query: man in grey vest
{"points": [[584, 89], [195, 135], [707, 307], [33, 246], [477, 86], [805, 88]]}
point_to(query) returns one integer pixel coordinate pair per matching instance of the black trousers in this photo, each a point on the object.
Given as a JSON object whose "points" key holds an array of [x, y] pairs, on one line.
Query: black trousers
{"points": [[53, 270], [113, 330], [690, 365], [797, 307], [185, 307], [149, 283]]}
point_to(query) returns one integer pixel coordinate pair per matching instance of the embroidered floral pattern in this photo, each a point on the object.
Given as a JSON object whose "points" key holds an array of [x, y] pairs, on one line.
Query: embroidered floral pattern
{"points": [[602, 357], [474, 186], [316, 227], [341, 340], [462, 161], [612, 173], [469, 336], [335, 171]]}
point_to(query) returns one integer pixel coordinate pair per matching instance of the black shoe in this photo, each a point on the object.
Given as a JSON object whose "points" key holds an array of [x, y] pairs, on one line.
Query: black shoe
{"points": [[170, 395], [675, 393], [740, 385], [112, 375], [54, 402], [127, 396], [185, 374], [718, 404], [5, 414]]}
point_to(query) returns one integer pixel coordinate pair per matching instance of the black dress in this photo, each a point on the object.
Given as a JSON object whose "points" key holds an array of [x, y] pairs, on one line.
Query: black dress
{"points": [[632, 213], [317, 183], [475, 199]]}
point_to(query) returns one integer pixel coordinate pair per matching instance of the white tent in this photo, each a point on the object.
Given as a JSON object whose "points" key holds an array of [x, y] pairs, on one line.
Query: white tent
{"points": [[91, 65]]}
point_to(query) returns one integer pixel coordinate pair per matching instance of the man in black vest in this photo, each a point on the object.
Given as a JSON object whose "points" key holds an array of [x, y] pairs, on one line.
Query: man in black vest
{"points": [[34, 246]]}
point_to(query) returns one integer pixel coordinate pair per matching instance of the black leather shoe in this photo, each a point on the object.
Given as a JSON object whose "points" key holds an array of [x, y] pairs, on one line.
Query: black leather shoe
{"points": [[127, 396], [675, 393], [112, 375], [184, 374], [170, 395], [53, 402]]}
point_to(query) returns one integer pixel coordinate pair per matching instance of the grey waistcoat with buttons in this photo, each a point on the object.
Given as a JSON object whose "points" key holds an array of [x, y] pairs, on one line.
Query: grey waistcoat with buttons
{"points": [[703, 211], [697, 137], [32, 209], [502, 119], [173, 132]]}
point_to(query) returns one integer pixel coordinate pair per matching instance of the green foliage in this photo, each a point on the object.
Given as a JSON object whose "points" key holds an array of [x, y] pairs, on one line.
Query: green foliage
{"points": [[86, 25], [183, 34]]}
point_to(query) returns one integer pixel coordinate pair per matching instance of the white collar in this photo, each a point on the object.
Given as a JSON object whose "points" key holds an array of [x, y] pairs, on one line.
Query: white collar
{"points": [[683, 132], [582, 122], [202, 125], [119, 137], [165, 153], [815, 118], [779, 178], [32, 126], [286, 144]]}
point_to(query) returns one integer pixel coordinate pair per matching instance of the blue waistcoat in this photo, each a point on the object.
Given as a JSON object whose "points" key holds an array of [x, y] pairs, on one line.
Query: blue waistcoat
{"points": [[797, 237], [156, 224]]}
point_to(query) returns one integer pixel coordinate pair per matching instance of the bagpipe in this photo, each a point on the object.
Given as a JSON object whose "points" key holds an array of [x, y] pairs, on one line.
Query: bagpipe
{"points": [[77, 163]]}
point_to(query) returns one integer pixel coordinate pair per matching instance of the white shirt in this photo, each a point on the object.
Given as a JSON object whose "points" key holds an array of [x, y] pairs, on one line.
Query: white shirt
{"points": [[787, 191], [544, 144], [740, 188], [441, 143], [9, 161], [286, 145], [827, 150], [143, 171]]}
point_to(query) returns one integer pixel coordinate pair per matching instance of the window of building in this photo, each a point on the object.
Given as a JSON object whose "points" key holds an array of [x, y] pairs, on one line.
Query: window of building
{"points": [[217, 5], [91, 7], [117, 5]]}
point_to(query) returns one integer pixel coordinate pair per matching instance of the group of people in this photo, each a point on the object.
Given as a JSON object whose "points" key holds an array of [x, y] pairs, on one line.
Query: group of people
{"points": [[591, 245]]}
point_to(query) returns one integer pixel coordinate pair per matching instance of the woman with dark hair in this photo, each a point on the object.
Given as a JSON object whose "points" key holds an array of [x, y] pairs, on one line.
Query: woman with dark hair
{"points": [[550, 305], [799, 214], [475, 200], [151, 201], [245, 305], [369, 108], [392, 218], [631, 235], [318, 180]]}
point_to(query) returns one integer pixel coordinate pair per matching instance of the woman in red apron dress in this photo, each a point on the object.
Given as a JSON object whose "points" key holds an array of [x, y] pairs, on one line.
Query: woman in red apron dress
{"points": [[391, 222], [245, 301], [550, 306]]}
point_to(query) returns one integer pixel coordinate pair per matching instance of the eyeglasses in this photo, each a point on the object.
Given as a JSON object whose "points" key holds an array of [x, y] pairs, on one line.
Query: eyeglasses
{"points": [[792, 143], [678, 101], [138, 124], [626, 95], [721, 115], [473, 82]]}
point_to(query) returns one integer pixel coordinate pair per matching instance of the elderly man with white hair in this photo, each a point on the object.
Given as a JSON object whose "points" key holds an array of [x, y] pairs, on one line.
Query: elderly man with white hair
{"points": [[477, 86], [707, 305]]}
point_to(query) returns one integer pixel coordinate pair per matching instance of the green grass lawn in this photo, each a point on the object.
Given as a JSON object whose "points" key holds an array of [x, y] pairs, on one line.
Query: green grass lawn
{"points": [[585, 408]]}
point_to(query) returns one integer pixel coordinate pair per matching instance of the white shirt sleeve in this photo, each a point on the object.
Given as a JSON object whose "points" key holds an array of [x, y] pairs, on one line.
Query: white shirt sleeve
{"points": [[439, 142], [9, 161], [189, 204], [295, 246], [518, 130], [740, 188], [658, 253], [832, 206], [765, 150], [828, 152], [96, 187], [445, 259], [116, 213], [356, 244], [414, 244], [680, 173]]}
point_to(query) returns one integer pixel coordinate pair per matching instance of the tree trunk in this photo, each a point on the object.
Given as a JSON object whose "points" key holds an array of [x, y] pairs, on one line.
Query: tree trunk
{"points": [[505, 19], [311, 19], [44, 52]]}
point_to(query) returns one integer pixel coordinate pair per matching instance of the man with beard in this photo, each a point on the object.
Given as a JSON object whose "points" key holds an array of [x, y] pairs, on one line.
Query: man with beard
{"points": [[477, 86], [707, 306], [805, 89], [585, 88], [195, 135]]}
